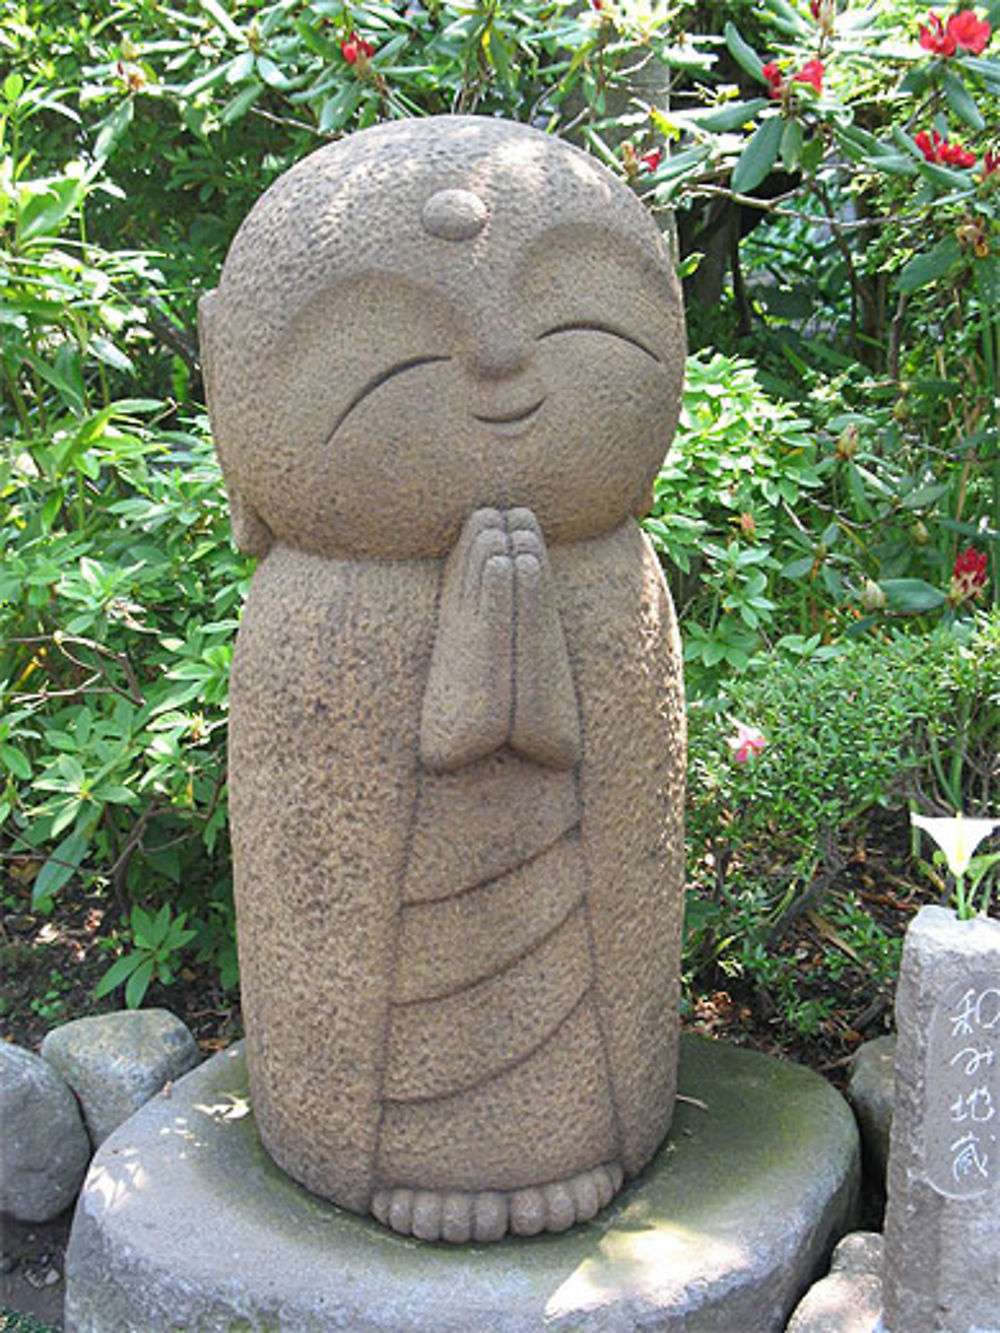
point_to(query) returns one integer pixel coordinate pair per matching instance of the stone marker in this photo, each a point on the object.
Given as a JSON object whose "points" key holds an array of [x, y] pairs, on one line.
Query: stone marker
{"points": [[942, 1228], [444, 364], [44, 1149], [116, 1062], [185, 1222]]}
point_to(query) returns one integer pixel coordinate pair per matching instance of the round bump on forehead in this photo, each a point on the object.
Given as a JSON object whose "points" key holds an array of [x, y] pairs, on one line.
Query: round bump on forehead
{"points": [[454, 215]]}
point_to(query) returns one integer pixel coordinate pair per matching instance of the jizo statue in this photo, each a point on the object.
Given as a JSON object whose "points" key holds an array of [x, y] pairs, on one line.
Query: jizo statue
{"points": [[444, 364]]}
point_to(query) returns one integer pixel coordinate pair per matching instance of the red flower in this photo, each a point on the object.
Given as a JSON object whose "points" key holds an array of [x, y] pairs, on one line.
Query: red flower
{"points": [[814, 9], [968, 578], [811, 72], [969, 33], [991, 163], [652, 159], [963, 32], [356, 47], [772, 74], [935, 38], [936, 149]]}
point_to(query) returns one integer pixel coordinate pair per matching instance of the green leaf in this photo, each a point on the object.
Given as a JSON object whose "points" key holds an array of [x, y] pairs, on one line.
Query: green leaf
{"points": [[116, 974], [759, 156], [271, 73], [987, 70], [744, 55], [731, 117], [339, 108], [219, 16], [961, 101], [812, 154], [59, 868], [16, 762], [911, 596], [138, 983], [947, 178], [112, 129], [925, 268], [791, 145], [239, 105], [45, 213], [113, 356]]}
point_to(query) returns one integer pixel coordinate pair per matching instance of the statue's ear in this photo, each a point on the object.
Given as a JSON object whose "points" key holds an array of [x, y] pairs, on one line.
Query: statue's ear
{"points": [[206, 307], [250, 533]]}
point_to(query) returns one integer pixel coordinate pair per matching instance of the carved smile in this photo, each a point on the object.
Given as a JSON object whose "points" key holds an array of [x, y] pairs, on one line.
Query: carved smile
{"points": [[515, 418]]}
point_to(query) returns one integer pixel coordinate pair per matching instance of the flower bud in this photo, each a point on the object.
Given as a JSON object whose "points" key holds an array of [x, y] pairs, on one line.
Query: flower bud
{"points": [[872, 597], [848, 441]]}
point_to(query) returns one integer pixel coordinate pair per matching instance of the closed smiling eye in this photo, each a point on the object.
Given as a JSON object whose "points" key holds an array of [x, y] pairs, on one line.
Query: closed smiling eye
{"points": [[400, 368], [595, 326]]}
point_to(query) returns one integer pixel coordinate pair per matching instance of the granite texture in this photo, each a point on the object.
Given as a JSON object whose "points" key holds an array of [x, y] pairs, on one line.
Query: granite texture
{"points": [[849, 1298], [186, 1223], [444, 364], [871, 1090], [116, 1062], [44, 1149], [942, 1223]]}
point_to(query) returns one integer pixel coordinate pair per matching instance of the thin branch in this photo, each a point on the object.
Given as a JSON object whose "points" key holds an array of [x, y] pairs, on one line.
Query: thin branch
{"points": [[775, 206], [133, 694]]}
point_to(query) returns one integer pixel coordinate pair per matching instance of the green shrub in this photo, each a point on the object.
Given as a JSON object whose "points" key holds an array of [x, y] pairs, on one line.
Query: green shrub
{"points": [[862, 734]]}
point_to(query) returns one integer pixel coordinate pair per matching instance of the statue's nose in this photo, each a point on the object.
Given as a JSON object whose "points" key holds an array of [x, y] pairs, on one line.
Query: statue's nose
{"points": [[495, 349]]}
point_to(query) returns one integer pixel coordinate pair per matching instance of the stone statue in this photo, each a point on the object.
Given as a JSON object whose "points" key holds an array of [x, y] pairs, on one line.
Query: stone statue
{"points": [[444, 363]]}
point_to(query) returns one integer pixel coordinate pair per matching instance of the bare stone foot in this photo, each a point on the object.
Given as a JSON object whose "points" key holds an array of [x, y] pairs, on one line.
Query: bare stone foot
{"points": [[463, 1215]]}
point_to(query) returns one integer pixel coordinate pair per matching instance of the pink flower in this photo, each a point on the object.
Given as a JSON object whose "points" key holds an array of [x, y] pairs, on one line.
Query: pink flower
{"points": [[934, 37], [969, 33], [811, 72], [652, 159], [355, 48], [747, 742], [969, 576]]}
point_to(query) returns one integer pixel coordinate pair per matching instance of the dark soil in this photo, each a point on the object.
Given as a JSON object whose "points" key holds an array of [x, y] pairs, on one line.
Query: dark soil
{"points": [[51, 964]]}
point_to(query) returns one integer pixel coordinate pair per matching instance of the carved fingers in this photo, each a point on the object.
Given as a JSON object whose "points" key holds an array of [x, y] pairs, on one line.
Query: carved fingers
{"points": [[499, 672]]}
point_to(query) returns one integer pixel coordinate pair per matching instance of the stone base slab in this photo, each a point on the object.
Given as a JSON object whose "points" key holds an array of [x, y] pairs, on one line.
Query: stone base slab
{"points": [[185, 1223]]}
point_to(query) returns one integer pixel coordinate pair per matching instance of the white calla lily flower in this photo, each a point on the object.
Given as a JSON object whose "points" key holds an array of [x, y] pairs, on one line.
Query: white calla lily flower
{"points": [[957, 837]]}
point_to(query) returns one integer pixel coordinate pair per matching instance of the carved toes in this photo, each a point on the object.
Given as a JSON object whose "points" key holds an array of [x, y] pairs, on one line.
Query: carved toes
{"points": [[458, 1216]]}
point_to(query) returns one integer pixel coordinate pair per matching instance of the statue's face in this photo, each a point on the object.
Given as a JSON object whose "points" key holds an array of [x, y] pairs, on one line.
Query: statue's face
{"points": [[490, 353]]}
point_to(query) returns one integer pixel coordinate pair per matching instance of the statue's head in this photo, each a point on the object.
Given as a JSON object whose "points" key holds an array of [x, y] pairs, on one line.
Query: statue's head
{"points": [[433, 316]]}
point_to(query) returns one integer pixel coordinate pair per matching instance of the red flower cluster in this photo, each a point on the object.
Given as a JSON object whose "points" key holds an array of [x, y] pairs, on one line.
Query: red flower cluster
{"points": [[962, 32], [936, 149], [355, 47], [811, 72], [969, 577], [652, 159]]}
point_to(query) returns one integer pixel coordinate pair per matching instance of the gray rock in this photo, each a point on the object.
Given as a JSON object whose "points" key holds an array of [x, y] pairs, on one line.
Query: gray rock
{"points": [[942, 1222], [849, 1299], [721, 1234], [116, 1062], [44, 1149], [871, 1091]]}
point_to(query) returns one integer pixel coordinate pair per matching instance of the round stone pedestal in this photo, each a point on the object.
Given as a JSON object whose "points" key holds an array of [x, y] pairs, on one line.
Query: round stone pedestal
{"points": [[186, 1223]]}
